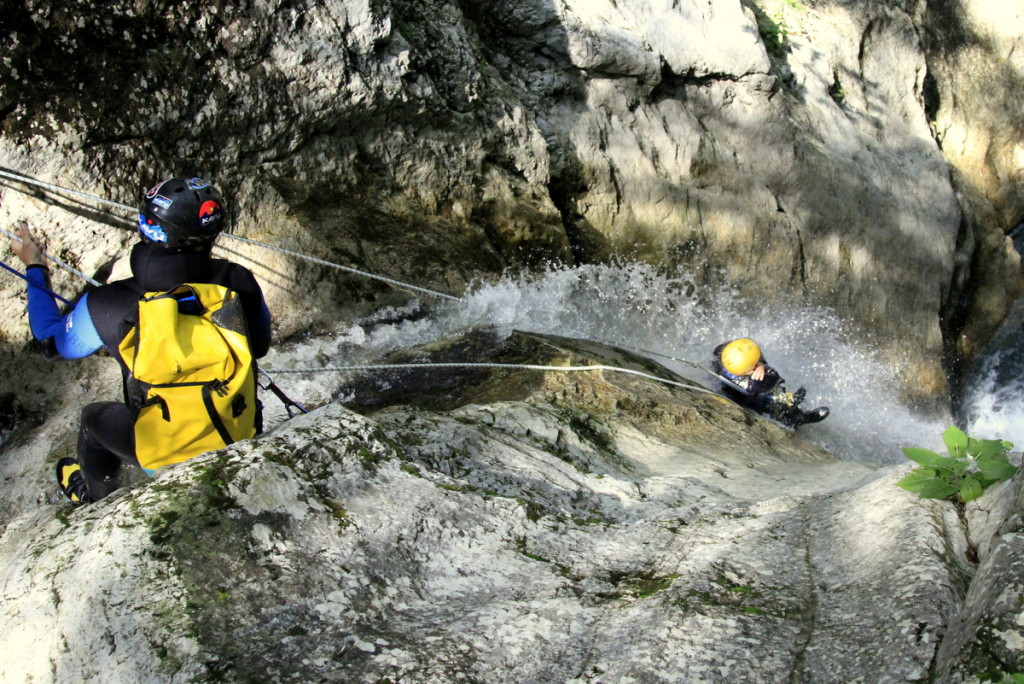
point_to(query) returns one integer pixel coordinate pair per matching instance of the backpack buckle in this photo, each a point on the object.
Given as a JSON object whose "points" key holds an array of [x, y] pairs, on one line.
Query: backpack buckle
{"points": [[220, 387]]}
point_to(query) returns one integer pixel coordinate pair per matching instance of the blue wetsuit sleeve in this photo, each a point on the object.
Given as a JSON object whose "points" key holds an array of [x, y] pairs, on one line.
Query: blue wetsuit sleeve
{"points": [[74, 333]]}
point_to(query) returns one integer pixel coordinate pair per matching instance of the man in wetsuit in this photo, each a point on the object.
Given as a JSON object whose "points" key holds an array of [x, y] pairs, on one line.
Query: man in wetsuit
{"points": [[750, 381], [178, 222]]}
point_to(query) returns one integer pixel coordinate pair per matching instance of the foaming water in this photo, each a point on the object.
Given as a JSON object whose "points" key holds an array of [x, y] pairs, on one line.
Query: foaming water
{"points": [[993, 404], [636, 307], [994, 398]]}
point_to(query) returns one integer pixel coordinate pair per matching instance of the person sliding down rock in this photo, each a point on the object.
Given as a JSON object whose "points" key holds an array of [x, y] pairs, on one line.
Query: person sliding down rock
{"points": [[749, 381], [185, 328]]}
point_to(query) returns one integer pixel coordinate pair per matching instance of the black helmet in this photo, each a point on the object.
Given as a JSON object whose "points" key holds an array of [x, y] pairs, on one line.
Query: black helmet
{"points": [[181, 213]]}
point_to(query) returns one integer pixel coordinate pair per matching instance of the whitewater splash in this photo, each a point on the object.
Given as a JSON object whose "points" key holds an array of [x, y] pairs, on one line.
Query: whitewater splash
{"points": [[636, 307], [992, 406]]}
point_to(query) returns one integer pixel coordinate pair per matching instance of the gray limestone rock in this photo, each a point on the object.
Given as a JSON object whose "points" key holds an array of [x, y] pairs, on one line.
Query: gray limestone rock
{"points": [[520, 525], [532, 526]]}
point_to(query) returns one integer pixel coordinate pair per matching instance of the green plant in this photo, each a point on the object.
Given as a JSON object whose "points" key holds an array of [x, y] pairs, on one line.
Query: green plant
{"points": [[971, 467], [835, 91], [773, 31]]}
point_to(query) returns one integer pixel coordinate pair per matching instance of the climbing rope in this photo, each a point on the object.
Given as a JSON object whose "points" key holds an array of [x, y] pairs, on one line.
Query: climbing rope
{"points": [[520, 366], [298, 255], [62, 264], [395, 283], [66, 191], [698, 366]]}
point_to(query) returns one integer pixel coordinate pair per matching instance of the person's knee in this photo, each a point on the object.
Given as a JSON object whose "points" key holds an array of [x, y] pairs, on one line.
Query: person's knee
{"points": [[105, 413], [106, 430]]}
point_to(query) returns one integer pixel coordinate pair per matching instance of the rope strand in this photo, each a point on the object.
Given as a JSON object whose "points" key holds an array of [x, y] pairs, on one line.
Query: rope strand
{"points": [[523, 366], [395, 283], [67, 191], [24, 277], [698, 366], [323, 262], [65, 266]]}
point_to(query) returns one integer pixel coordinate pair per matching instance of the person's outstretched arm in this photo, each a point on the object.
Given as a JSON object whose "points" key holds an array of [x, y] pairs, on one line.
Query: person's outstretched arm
{"points": [[73, 334]]}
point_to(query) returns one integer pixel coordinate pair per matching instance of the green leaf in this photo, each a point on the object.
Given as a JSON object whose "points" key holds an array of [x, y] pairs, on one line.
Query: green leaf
{"points": [[956, 441], [972, 466], [925, 457], [953, 465], [938, 489], [917, 479], [985, 447], [970, 489], [997, 467], [986, 481]]}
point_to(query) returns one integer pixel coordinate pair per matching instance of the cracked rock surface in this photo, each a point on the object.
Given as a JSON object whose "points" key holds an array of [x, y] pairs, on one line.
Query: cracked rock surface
{"points": [[530, 527]]}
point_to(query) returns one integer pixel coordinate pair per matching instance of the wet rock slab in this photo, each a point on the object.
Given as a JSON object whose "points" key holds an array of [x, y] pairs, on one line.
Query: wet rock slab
{"points": [[582, 527]]}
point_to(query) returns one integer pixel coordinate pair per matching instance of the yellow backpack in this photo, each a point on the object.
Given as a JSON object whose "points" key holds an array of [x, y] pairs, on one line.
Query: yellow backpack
{"points": [[191, 364]]}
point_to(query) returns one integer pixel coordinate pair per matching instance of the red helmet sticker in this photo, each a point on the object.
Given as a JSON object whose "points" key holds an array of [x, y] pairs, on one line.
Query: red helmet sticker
{"points": [[209, 212]]}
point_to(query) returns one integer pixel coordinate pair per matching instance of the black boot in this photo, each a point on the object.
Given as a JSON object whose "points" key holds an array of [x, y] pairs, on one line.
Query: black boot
{"points": [[816, 415], [71, 481], [793, 417]]}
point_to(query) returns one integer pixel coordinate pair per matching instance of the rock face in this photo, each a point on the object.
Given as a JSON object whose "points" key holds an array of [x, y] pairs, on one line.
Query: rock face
{"points": [[519, 526], [790, 150], [979, 136]]}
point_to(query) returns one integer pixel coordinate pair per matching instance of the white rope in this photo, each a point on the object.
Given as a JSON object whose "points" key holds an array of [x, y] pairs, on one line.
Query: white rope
{"points": [[66, 191], [349, 269], [698, 366], [390, 281], [282, 250], [57, 261], [523, 366]]}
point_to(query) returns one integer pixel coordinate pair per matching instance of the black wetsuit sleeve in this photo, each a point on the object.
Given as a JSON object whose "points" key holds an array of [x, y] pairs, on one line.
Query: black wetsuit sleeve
{"points": [[254, 306], [110, 307], [771, 379]]}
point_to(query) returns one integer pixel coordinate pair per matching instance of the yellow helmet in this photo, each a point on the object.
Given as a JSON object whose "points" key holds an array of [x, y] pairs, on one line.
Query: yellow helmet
{"points": [[741, 356]]}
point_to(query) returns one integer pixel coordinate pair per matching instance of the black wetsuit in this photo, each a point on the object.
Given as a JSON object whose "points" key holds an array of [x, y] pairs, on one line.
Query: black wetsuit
{"points": [[743, 389], [106, 436], [767, 396]]}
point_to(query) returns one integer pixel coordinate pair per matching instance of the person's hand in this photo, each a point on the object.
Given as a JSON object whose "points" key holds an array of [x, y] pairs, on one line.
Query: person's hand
{"points": [[758, 372], [27, 249]]}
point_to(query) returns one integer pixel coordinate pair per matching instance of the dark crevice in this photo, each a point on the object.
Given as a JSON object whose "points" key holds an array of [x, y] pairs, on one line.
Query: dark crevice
{"points": [[564, 190], [102, 140], [931, 100], [673, 86], [802, 261], [956, 309], [1017, 235]]}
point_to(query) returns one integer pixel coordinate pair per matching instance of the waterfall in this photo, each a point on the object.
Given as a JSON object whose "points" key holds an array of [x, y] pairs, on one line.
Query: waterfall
{"points": [[635, 306], [993, 405]]}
